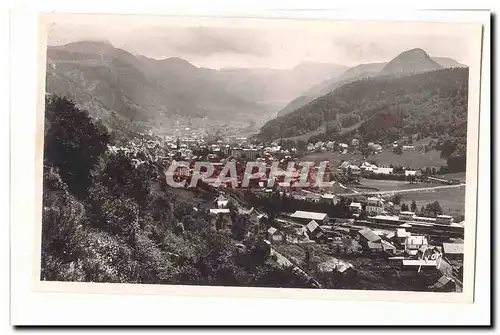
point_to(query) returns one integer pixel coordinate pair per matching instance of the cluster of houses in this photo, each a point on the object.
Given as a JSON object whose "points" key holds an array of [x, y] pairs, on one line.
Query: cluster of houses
{"points": [[220, 209], [313, 225], [354, 144], [307, 228], [342, 147], [402, 248], [395, 144], [405, 250], [370, 168]]}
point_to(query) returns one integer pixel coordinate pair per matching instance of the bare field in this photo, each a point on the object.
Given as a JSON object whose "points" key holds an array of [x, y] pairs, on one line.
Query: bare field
{"points": [[452, 200], [411, 159], [459, 176], [334, 158]]}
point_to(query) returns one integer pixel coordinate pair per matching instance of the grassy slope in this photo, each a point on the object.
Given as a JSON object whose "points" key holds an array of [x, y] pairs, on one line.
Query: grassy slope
{"points": [[459, 176], [334, 158], [412, 159], [452, 200]]}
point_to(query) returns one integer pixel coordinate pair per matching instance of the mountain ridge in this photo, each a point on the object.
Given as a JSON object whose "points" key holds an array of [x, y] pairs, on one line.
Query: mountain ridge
{"points": [[358, 72], [146, 89], [410, 61]]}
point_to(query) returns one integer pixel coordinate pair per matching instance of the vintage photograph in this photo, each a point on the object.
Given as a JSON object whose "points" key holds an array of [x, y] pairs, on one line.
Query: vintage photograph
{"points": [[239, 152]]}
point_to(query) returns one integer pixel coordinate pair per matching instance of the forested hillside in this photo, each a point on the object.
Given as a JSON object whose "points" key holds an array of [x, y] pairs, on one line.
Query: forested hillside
{"points": [[424, 103], [110, 217]]}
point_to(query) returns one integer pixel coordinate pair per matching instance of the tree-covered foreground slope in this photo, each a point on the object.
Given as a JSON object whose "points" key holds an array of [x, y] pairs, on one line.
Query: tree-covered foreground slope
{"points": [[109, 217]]}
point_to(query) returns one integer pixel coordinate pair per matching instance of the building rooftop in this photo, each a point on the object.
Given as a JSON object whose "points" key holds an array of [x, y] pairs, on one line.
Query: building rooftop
{"points": [[390, 235], [308, 215], [416, 239], [418, 262], [311, 226], [407, 213], [387, 246], [453, 248], [369, 235], [328, 196], [401, 232], [219, 211], [272, 230], [375, 245], [386, 217]]}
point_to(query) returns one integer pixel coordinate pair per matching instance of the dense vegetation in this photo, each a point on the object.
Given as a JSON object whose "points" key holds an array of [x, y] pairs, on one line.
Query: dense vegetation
{"points": [[108, 218]]}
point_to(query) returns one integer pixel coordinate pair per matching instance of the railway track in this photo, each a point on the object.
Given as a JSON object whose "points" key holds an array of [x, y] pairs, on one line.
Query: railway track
{"points": [[409, 190]]}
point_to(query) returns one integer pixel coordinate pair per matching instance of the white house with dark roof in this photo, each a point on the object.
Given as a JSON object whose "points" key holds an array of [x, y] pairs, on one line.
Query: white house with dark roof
{"points": [[355, 207], [274, 235], [315, 232]]}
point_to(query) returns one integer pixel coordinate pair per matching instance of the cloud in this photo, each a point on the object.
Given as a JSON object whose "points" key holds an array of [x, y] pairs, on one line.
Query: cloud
{"points": [[220, 43], [198, 41]]}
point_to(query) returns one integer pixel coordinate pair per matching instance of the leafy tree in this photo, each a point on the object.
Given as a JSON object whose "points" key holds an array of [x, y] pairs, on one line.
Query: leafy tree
{"points": [[413, 206], [286, 278], [121, 217], [73, 143], [434, 208], [124, 178], [404, 207], [307, 259], [301, 145], [240, 227], [219, 222], [396, 199], [63, 225]]}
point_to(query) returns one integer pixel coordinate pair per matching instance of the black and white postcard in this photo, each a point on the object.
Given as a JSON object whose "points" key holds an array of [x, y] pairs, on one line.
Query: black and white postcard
{"points": [[264, 157]]}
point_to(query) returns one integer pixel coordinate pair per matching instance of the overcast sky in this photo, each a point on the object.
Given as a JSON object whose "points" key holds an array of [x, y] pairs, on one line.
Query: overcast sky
{"points": [[217, 43]]}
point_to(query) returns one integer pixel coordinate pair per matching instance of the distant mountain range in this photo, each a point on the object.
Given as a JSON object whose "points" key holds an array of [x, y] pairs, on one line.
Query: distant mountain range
{"points": [[115, 85], [408, 62], [105, 79]]}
